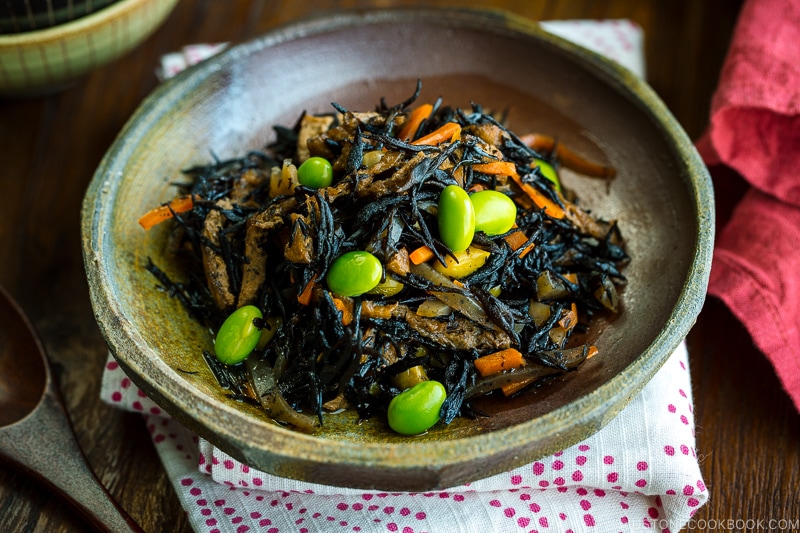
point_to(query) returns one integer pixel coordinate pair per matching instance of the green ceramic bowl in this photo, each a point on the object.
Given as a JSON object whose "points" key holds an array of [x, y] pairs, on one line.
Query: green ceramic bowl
{"points": [[18, 16], [50, 59], [662, 198]]}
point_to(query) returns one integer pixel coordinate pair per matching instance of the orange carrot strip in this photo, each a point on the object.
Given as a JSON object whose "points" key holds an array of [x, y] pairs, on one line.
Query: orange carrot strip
{"points": [[572, 277], [421, 255], [163, 212], [527, 250], [539, 142], [510, 388], [413, 121], [568, 158], [496, 168], [346, 308], [543, 202], [448, 132], [305, 296], [570, 318], [493, 363], [592, 351], [516, 239]]}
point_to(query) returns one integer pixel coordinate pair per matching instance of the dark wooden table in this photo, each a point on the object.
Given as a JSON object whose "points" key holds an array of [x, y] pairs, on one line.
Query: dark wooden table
{"points": [[748, 432]]}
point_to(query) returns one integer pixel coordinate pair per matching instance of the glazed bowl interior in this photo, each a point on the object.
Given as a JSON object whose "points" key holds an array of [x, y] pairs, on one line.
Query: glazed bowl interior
{"points": [[661, 198]]}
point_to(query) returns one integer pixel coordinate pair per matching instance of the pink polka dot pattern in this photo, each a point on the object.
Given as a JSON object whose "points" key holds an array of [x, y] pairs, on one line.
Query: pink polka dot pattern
{"points": [[118, 390], [628, 476]]}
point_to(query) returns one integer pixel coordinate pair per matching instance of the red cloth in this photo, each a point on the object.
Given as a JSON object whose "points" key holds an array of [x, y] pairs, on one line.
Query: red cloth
{"points": [[755, 130]]}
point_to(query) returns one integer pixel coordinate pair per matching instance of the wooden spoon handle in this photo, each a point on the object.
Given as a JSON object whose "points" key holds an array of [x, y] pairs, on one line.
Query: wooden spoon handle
{"points": [[44, 445]]}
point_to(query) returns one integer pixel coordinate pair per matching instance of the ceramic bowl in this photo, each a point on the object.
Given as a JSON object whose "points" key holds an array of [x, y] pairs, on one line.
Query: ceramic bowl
{"points": [[17, 16], [49, 59], [662, 198]]}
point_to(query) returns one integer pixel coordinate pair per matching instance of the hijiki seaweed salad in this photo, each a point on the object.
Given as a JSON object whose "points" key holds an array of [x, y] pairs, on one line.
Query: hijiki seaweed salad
{"points": [[400, 262]]}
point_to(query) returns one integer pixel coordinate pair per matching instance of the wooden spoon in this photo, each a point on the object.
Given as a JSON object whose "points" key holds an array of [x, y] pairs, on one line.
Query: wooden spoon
{"points": [[35, 431]]}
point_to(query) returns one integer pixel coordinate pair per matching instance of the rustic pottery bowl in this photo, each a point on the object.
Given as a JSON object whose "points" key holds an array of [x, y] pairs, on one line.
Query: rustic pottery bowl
{"points": [[53, 58], [662, 198]]}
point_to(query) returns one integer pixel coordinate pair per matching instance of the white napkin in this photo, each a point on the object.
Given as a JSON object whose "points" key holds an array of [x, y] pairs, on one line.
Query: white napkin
{"points": [[640, 472]]}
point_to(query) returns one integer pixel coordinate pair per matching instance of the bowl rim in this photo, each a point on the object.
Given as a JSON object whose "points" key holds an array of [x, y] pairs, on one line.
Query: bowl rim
{"points": [[590, 411], [66, 30]]}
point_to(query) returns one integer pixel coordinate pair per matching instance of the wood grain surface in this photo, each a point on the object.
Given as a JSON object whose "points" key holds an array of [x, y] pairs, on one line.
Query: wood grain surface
{"points": [[748, 432]]}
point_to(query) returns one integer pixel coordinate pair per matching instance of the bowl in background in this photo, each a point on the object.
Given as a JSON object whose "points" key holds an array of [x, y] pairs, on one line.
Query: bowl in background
{"points": [[227, 105], [50, 59], [18, 16]]}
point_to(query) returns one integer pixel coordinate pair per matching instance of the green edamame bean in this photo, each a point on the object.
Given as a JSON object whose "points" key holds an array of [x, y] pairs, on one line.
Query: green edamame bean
{"points": [[549, 172], [315, 172], [354, 273], [238, 336], [495, 212], [416, 410], [456, 218]]}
